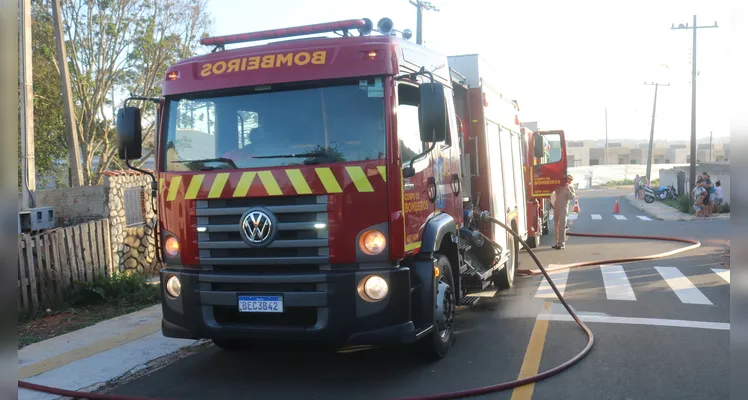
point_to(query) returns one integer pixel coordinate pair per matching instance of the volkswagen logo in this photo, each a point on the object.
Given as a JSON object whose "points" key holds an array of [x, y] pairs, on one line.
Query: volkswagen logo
{"points": [[257, 227]]}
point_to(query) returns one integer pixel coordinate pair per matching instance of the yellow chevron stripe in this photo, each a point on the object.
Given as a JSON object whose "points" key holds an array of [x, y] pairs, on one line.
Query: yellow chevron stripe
{"points": [[218, 184], [194, 187], [298, 181], [382, 171], [270, 184], [359, 179], [160, 185], [412, 246], [244, 183], [328, 180], [173, 188]]}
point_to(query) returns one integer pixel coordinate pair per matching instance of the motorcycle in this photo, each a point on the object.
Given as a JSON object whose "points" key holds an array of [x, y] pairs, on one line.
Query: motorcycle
{"points": [[660, 194]]}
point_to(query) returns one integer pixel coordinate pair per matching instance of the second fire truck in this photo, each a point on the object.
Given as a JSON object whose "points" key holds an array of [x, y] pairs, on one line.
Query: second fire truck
{"points": [[333, 189]]}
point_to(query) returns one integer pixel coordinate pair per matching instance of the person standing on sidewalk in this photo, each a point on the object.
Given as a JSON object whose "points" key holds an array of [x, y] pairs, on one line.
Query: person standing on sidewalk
{"points": [[637, 181], [564, 195]]}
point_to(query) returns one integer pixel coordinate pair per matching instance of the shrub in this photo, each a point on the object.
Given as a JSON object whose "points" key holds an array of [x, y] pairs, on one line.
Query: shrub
{"points": [[121, 290]]}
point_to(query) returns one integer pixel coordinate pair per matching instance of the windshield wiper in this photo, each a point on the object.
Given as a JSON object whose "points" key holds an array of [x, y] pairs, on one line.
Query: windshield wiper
{"points": [[300, 155], [228, 161]]}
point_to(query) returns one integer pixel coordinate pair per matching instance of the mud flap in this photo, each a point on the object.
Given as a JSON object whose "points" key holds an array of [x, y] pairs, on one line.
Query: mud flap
{"points": [[422, 275]]}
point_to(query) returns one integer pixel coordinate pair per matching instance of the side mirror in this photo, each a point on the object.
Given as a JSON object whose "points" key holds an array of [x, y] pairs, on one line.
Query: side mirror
{"points": [[432, 113], [537, 145], [129, 134]]}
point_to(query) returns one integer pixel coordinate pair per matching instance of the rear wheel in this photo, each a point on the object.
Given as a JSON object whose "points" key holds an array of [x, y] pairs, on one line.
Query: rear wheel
{"points": [[437, 344], [504, 279], [649, 198], [532, 241]]}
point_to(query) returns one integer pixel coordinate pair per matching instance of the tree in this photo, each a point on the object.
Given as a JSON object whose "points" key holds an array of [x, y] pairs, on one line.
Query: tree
{"points": [[117, 46]]}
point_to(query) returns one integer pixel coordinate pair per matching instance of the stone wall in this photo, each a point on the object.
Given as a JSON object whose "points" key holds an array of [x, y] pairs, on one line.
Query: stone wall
{"points": [[133, 247]]}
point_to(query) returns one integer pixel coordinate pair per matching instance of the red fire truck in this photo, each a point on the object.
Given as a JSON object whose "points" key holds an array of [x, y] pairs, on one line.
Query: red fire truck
{"points": [[320, 189]]}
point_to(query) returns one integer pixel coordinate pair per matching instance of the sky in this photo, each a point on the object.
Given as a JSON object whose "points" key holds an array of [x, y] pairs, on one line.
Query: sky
{"points": [[565, 62]]}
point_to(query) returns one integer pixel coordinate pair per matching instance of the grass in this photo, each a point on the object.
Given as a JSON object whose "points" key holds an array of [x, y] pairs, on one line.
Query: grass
{"points": [[629, 182], [90, 303]]}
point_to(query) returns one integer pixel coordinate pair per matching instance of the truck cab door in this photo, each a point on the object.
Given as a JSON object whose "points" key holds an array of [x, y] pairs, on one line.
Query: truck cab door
{"points": [[549, 167]]}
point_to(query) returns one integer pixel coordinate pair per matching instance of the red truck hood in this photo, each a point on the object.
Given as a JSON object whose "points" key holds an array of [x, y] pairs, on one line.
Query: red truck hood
{"points": [[354, 195]]}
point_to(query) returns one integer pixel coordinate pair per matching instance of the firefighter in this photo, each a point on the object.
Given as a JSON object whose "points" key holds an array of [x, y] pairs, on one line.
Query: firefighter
{"points": [[564, 195]]}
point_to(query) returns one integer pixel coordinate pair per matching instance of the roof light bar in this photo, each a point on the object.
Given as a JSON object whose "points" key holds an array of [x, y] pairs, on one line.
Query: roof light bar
{"points": [[351, 24]]}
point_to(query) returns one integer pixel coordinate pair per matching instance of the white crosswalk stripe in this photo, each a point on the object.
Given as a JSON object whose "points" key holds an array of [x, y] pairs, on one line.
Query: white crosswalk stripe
{"points": [[559, 279], [572, 217], [597, 216], [620, 217], [686, 291], [643, 218], [618, 287], [723, 273]]}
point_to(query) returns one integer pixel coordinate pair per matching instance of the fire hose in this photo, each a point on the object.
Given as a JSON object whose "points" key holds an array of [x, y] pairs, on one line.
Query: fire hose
{"points": [[485, 389]]}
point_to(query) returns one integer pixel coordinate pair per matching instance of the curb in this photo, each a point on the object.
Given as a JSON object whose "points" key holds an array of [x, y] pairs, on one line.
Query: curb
{"points": [[675, 215]]}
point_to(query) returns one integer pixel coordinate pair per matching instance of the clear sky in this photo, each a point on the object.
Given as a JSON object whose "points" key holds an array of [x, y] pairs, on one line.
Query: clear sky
{"points": [[564, 61]]}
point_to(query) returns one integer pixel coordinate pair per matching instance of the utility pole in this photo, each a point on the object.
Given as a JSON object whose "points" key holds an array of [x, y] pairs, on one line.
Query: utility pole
{"points": [[606, 135], [652, 130], [76, 175], [28, 166], [695, 27], [420, 6]]}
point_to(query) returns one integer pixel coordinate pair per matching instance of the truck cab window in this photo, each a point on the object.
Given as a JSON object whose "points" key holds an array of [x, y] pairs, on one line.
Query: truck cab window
{"points": [[408, 128]]}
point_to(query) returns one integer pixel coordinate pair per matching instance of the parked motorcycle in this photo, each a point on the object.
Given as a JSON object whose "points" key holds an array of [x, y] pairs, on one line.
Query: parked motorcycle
{"points": [[660, 194]]}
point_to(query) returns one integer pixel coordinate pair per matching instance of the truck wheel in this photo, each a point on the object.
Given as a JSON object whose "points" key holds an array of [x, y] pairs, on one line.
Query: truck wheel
{"points": [[228, 345], [504, 279], [437, 344], [532, 241]]}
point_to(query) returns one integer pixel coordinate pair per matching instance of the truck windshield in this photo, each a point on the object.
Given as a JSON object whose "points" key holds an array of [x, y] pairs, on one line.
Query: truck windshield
{"points": [[340, 123]]}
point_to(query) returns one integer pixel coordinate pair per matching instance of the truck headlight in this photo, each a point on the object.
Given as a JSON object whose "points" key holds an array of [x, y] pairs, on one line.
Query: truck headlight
{"points": [[173, 286], [372, 242], [373, 288]]}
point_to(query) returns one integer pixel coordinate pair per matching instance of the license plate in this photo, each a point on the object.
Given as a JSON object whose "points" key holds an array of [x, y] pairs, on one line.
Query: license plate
{"points": [[261, 304]]}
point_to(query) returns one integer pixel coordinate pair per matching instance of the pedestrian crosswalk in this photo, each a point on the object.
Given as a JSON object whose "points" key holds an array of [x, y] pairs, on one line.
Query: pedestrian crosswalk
{"points": [[618, 284], [599, 217]]}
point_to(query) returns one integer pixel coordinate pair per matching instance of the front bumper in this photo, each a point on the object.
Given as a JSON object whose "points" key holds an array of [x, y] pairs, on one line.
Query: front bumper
{"points": [[321, 307]]}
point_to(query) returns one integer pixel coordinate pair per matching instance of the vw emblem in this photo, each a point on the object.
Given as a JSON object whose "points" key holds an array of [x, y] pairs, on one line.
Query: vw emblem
{"points": [[257, 227]]}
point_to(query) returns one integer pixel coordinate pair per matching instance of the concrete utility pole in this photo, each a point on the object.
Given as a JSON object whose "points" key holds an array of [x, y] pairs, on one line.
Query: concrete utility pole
{"points": [[652, 130], [76, 175], [606, 136], [28, 166], [695, 27], [420, 6]]}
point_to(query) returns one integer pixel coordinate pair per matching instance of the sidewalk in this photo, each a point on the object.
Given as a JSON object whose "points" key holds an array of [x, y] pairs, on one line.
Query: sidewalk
{"points": [[89, 358], [664, 212]]}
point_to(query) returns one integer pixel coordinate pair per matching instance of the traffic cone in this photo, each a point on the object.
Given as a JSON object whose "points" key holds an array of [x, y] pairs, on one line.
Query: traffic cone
{"points": [[576, 206], [616, 208]]}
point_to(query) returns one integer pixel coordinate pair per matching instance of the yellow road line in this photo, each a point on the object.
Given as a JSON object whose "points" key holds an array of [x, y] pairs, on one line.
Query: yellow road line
{"points": [[87, 351], [531, 363]]}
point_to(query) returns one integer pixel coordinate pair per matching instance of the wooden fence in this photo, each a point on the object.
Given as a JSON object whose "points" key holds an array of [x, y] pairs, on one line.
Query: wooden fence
{"points": [[49, 262]]}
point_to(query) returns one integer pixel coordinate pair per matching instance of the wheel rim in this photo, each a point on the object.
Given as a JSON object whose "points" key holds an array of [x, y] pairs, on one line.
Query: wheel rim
{"points": [[445, 309]]}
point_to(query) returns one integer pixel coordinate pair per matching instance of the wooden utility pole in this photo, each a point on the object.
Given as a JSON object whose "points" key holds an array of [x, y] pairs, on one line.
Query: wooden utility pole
{"points": [[692, 174], [652, 130], [420, 6], [28, 166], [76, 175]]}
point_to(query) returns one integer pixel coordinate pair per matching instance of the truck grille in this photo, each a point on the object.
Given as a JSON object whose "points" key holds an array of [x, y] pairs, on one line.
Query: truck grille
{"points": [[297, 246]]}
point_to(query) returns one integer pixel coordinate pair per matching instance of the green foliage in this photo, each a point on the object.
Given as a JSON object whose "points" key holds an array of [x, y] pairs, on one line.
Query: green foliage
{"points": [[121, 290], [683, 204], [619, 183]]}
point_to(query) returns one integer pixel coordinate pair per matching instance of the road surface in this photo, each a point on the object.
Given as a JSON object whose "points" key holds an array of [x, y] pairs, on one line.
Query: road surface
{"points": [[661, 330]]}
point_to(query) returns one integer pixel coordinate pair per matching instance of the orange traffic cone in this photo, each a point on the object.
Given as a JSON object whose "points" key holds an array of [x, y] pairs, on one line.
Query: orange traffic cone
{"points": [[616, 208], [576, 206]]}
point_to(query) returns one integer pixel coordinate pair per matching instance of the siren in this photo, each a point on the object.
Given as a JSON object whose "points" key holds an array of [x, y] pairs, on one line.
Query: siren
{"points": [[367, 28], [385, 26]]}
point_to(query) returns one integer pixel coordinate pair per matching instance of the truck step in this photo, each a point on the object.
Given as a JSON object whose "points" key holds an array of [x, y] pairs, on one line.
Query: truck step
{"points": [[473, 298]]}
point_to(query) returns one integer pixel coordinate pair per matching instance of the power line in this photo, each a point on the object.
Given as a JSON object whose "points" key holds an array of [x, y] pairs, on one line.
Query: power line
{"points": [[695, 28], [420, 6]]}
